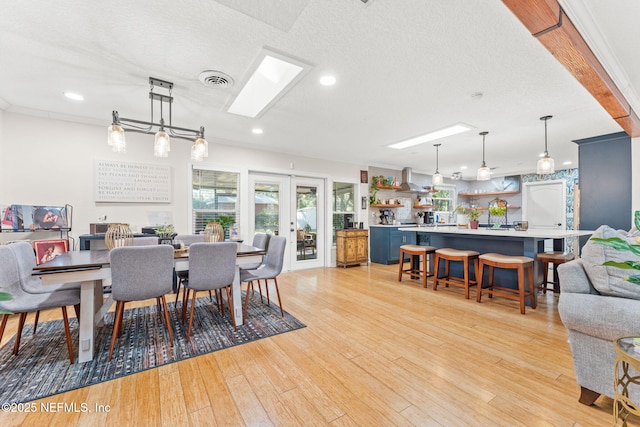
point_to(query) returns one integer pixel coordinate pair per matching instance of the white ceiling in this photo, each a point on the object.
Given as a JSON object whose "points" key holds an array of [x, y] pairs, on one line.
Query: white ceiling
{"points": [[403, 68]]}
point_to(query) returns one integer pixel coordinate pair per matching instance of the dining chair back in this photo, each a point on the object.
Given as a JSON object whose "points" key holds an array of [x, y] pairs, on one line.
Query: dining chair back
{"points": [[189, 239], [270, 270], [212, 267], [182, 273], [24, 302], [139, 273], [145, 241], [26, 261], [260, 240]]}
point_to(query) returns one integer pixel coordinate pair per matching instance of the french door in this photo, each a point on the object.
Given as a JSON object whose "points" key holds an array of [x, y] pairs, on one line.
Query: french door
{"points": [[293, 207]]}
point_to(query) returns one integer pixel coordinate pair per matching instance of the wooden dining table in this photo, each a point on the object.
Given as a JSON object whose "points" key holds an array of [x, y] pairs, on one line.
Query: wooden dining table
{"points": [[92, 269]]}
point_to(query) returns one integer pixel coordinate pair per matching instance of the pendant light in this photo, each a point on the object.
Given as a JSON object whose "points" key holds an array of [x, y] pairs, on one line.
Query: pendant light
{"points": [[437, 179], [545, 164], [165, 130], [162, 143], [484, 173]]}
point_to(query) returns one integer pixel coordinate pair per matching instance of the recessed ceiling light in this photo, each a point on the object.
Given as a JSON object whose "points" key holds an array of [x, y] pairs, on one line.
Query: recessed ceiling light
{"points": [[327, 80], [257, 131], [463, 167], [431, 136], [74, 96], [272, 75], [568, 162]]}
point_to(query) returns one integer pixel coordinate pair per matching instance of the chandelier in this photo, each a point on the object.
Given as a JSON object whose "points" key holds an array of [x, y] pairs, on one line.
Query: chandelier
{"points": [[163, 131]]}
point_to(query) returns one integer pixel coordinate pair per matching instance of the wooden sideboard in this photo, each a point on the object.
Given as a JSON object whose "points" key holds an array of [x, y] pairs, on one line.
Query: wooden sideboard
{"points": [[352, 247]]}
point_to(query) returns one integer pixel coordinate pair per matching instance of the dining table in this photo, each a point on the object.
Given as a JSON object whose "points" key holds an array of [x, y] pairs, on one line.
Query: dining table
{"points": [[92, 269]]}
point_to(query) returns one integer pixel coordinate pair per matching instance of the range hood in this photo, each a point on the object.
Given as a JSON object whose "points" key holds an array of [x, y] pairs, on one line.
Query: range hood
{"points": [[408, 185]]}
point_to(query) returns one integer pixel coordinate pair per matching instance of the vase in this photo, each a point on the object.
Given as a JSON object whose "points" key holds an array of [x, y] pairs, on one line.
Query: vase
{"points": [[213, 232], [118, 235]]}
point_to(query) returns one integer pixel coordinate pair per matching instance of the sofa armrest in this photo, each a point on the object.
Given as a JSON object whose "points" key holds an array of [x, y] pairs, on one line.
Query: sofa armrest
{"points": [[600, 316], [573, 278]]}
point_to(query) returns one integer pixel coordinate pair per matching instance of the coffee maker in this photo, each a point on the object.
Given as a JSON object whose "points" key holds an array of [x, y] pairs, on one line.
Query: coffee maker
{"points": [[348, 222], [428, 218], [386, 217]]}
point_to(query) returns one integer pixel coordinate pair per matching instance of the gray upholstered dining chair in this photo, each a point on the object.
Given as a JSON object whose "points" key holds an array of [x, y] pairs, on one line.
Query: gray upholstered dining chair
{"points": [[268, 271], [24, 302], [260, 240], [139, 273], [212, 267], [187, 240], [145, 241], [26, 258]]}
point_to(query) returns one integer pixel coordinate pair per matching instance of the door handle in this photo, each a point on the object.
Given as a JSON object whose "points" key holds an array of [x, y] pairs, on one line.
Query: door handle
{"points": [[292, 230]]}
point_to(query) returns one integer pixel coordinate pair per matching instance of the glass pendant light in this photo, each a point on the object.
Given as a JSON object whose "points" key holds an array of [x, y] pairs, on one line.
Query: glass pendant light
{"points": [[437, 179], [115, 138], [162, 144], [199, 149], [484, 173], [545, 164]]}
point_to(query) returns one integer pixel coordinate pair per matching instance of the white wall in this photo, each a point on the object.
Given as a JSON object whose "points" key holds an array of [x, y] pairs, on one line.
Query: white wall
{"points": [[51, 162]]}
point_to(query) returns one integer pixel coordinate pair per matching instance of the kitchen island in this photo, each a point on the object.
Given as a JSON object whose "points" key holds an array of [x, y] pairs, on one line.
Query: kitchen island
{"points": [[505, 241]]}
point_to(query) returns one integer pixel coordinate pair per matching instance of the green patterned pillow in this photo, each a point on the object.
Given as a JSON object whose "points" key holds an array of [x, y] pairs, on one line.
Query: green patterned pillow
{"points": [[609, 279]]}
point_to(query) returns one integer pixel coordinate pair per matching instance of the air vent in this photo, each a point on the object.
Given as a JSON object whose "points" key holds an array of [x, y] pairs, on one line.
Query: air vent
{"points": [[213, 78]]}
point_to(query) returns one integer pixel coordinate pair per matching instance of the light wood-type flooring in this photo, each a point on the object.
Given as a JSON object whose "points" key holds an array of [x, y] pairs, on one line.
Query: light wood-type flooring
{"points": [[375, 352]]}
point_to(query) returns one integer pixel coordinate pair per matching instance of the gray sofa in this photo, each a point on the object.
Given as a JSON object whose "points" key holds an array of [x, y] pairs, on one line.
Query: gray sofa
{"points": [[594, 321]]}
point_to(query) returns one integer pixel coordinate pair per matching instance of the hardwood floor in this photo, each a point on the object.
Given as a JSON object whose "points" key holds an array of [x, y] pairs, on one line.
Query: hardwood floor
{"points": [[375, 352]]}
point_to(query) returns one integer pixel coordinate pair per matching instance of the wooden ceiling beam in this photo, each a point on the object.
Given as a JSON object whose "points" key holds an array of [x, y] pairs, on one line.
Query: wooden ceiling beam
{"points": [[546, 21]]}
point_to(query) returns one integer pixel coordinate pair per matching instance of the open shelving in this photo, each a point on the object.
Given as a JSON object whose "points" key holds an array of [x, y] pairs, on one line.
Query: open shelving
{"points": [[490, 193]]}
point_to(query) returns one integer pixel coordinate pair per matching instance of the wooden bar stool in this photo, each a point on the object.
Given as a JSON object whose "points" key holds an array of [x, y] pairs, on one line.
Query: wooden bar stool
{"points": [[448, 255], [522, 264], [555, 258], [416, 251]]}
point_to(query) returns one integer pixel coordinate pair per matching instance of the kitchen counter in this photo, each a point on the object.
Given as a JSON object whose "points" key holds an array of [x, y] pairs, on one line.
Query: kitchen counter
{"points": [[502, 232], [506, 241]]}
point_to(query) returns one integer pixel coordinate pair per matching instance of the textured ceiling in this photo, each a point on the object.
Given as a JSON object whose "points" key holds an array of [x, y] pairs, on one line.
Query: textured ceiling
{"points": [[403, 68]]}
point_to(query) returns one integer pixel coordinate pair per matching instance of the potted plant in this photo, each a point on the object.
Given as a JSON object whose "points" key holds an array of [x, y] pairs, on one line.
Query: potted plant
{"points": [[165, 233], [376, 182], [225, 222], [474, 214], [462, 217]]}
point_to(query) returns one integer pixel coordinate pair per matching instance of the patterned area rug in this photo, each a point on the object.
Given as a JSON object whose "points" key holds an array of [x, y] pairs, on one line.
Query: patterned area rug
{"points": [[42, 367]]}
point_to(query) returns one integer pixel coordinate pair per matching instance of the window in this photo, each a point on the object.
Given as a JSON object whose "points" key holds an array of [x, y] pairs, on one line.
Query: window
{"points": [[343, 210], [214, 198], [444, 198], [267, 208]]}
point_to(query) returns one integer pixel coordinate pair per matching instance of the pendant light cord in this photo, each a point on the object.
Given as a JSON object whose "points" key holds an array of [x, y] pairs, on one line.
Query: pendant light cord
{"points": [[484, 134], [545, 118]]}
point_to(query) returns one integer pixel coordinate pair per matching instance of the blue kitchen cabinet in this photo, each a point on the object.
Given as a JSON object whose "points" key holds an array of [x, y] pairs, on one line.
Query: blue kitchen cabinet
{"points": [[385, 243]]}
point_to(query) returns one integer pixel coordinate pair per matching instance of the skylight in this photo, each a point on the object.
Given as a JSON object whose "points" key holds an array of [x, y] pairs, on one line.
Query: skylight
{"points": [[432, 136], [273, 74]]}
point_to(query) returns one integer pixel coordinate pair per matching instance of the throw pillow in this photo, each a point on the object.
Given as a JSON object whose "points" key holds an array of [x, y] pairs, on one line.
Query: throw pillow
{"points": [[610, 280]]}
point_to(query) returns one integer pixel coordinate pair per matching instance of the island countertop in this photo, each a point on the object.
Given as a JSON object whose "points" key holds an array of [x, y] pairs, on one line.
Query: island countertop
{"points": [[501, 232]]}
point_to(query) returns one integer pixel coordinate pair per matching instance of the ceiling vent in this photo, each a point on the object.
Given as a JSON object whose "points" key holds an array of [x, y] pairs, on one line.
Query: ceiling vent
{"points": [[212, 78]]}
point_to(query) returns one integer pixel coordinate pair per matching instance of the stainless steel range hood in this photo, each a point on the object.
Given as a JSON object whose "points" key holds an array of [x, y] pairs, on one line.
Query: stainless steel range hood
{"points": [[408, 185]]}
